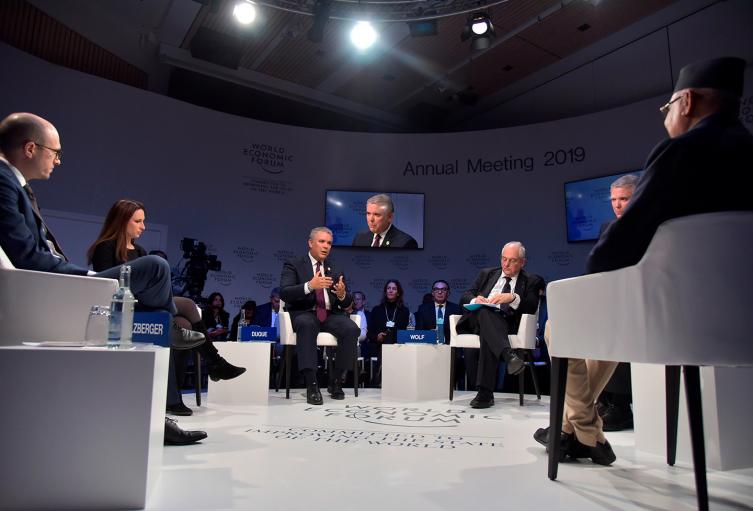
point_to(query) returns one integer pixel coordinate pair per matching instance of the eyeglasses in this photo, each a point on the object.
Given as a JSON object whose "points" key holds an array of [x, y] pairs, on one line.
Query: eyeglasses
{"points": [[58, 152], [664, 109], [439, 289]]}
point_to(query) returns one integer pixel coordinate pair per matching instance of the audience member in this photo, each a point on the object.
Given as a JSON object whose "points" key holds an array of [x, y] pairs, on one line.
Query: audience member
{"points": [[437, 310], [267, 313], [705, 133], [249, 310], [382, 233], [387, 318], [317, 299], [216, 318], [116, 245], [30, 149], [430, 314], [359, 307], [506, 292]]}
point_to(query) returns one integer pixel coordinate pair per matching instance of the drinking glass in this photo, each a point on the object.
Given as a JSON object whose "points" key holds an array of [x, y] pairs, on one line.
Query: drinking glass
{"points": [[97, 326]]}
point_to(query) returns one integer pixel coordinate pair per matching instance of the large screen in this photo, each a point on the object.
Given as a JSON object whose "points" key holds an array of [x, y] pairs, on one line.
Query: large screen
{"points": [[345, 215], [588, 205]]}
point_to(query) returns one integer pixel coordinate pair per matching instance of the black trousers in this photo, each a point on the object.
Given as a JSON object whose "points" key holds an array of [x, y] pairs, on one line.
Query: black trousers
{"points": [[491, 326], [306, 327]]}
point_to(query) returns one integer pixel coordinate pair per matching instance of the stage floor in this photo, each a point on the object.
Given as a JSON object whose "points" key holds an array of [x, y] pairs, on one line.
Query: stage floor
{"points": [[367, 454]]}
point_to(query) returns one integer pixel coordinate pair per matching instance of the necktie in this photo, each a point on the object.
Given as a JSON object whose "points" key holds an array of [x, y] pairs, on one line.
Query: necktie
{"points": [[321, 305], [439, 312], [506, 287], [377, 239], [52, 242]]}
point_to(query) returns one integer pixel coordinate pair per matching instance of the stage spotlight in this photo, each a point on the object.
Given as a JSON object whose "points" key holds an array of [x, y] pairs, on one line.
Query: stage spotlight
{"points": [[245, 12], [363, 35], [479, 30]]}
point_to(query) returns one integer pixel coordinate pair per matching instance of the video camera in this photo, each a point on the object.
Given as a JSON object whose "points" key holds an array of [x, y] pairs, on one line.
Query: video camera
{"points": [[197, 266]]}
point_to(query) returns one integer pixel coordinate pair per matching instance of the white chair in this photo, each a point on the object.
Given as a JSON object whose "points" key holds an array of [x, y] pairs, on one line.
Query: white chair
{"points": [[40, 306], [288, 341], [524, 340], [684, 304]]}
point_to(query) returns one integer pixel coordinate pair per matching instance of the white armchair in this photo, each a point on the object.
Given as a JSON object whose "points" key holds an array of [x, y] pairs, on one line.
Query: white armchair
{"points": [[288, 341], [684, 304], [39, 306], [524, 340]]}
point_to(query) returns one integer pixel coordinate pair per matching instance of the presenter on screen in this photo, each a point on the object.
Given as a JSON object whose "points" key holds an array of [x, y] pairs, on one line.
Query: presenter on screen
{"points": [[382, 232]]}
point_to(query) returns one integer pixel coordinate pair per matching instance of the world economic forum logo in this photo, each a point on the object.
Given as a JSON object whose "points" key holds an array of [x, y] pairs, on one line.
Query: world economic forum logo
{"points": [[272, 159]]}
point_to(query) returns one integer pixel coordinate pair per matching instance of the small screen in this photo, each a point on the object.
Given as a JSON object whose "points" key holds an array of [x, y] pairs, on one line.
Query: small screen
{"points": [[345, 215], [588, 205]]}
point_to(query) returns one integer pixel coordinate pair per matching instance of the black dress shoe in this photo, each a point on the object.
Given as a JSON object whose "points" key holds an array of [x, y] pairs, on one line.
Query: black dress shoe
{"points": [[483, 400], [617, 418], [602, 454], [179, 409], [313, 395], [570, 447], [183, 339], [176, 436], [336, 390], [515, 364], [224, 370]]}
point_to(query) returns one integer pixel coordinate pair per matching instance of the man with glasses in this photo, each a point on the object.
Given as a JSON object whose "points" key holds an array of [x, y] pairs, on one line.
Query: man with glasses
{"points": [[435, 315], [30, 149], [504, 294], [698, 169]]}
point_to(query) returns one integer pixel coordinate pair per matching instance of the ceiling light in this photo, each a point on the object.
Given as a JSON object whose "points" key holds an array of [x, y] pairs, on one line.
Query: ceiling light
{"points": [[363, 35], [244, 12], [479, 29]]}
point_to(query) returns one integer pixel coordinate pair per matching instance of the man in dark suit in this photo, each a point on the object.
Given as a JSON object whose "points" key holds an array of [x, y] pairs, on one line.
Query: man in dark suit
{"points": [[266, 313], [697, 170], [315, 294], [382, 233], [508, 292], [437, 311], [614, 403], [30, 149]]}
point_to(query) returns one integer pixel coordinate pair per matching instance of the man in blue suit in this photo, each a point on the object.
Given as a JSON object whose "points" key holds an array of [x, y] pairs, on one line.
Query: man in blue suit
{"points": [[30, 149]]}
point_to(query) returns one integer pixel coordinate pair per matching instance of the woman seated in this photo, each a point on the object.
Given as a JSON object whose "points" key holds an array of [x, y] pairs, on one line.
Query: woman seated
{"points": [[387, 318], [249, 311], [216, 318], [116, 245]]}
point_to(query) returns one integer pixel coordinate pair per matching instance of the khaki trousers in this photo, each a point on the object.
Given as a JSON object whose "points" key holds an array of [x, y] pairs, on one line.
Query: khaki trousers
{"points": [[585, 380]]}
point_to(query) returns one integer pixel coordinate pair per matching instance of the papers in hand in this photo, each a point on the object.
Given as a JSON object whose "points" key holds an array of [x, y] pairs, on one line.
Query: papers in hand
{"points": [[477, 306]]}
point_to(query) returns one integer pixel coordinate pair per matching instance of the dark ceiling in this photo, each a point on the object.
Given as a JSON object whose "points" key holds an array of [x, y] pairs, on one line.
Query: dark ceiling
{"points": [[270, 70]]}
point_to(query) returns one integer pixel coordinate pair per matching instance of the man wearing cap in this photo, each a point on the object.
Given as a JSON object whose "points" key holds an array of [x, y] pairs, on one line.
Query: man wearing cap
{"points": [[697, 170]]}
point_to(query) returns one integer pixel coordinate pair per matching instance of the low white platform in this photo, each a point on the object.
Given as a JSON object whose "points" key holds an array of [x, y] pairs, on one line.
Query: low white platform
{"points": [[81, 428], [415, 372], [252, 387]]}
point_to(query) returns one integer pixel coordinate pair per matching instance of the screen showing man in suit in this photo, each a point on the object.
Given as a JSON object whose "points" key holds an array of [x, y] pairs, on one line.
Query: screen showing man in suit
{"points": [[382, 233]]}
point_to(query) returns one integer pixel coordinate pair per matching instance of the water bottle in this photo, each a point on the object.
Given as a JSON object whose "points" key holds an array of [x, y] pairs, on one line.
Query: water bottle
{"points": [[242, 322], [440, 330], [121, 312], [411, 321]]}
